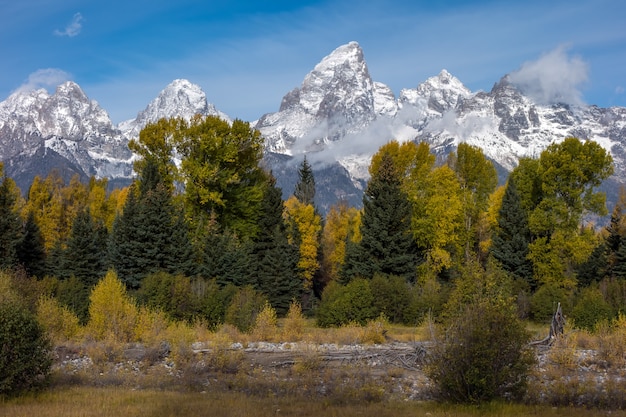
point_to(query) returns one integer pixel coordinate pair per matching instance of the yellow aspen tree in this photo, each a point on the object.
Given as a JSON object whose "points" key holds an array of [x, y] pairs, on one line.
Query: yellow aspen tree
{"points": [[309, 227], [112, 312], [438, 217], [342, 223], [44, 201]]}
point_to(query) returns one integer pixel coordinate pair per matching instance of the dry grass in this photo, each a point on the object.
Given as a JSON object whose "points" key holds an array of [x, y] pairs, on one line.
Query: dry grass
{"points": [[105, 402]]}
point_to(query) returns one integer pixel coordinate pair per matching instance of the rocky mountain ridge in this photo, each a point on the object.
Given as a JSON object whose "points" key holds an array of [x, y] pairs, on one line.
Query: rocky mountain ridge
{"points": [[339, 116]]}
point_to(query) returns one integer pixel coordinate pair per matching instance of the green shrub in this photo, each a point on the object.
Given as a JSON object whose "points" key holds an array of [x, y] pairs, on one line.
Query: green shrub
{"points": [[214, 301], [246, 304], [392, 297], [172, 294], [25, 359], [353, 302], [483, 355], [590, 309], [543, 302]]}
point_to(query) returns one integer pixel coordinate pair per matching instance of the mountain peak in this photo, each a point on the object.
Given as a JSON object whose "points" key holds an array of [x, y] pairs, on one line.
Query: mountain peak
{"points": [[180, 98]]}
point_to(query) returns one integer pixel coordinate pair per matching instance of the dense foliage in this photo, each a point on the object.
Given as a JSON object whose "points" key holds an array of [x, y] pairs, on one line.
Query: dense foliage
{"points": [[25, 357]]}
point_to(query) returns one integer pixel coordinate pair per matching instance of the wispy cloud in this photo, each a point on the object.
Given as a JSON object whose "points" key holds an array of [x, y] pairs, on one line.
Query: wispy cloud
{"points": [[553, 78], [73, 28], [44, 78]]}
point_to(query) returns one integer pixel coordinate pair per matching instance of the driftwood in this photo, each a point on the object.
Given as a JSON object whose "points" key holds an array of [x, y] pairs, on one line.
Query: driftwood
{"points": [[556, 328]]}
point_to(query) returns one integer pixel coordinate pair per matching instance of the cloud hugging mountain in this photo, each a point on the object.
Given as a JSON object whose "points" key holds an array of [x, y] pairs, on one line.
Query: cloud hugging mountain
{"points": [[338, 117]]}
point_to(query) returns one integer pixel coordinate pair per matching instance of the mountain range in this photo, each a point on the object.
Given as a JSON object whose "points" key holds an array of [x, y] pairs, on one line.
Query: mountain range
{"points": [[338, 117]]}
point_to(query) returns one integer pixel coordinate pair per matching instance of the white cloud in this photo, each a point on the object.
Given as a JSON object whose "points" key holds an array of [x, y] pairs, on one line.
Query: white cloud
{"points": [[73, 28], [553, 78], [619, 90], [44, 78]]}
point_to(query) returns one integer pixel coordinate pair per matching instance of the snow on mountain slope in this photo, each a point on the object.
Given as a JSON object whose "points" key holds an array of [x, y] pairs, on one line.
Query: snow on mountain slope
{"points": [[339, 117], [67, 122], [337, 98], [180, 98]]}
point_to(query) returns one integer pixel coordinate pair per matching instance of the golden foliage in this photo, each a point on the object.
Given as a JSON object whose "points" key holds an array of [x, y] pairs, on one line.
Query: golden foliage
{"points": [[112, 313], [294, 323], [265, 325], [342, 223], [61, 324], [309, 226]]}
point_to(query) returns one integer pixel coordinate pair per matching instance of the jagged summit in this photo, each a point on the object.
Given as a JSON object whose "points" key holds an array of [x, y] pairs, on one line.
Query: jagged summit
{"points": [[338, 115], [336, 98], [67, 123], [181, 98]]}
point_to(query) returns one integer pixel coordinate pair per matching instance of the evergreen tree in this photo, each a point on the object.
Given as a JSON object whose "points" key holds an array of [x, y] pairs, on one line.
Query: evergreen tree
{"points": [[85, 257], [305, 187], [510, 242], [616, 230], [226, 259], [619, 263], [595, 268], [10, 223], [31, 251], [387, 245], [151, 234], [126, 244], [275, 259]]}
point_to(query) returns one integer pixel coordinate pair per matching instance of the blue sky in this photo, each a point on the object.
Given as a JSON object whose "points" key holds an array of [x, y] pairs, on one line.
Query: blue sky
{"points": [[247, 55]]}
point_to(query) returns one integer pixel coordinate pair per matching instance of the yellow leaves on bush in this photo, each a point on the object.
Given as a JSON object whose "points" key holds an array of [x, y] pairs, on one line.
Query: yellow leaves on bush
{"points": [[309, 226], [294, 323], [151, 326], [265, 328], [7, 292], [112, 313], [60, 323]]}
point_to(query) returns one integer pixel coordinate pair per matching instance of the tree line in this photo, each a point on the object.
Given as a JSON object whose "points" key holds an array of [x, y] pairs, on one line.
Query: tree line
{"points": [[204, 225]]}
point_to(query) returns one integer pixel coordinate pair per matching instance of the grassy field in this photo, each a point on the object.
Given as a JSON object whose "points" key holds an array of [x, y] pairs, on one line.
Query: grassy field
{"points": [[114, 402]]}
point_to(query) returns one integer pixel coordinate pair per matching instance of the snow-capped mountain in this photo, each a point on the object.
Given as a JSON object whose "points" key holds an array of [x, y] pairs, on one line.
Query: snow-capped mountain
{"points": [[336, 99], [339, 117], [339, 111], [180, 98], [65, 124], [68, 131]]}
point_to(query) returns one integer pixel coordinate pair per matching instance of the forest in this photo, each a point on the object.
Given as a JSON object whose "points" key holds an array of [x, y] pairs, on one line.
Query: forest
{"points": [[203, 235]]}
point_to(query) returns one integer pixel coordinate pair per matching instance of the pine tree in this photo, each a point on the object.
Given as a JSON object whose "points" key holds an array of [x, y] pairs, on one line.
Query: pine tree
{"points": [[226, 259], [125, 249], [85, 257], [275, 259], [387, 245], [305, 187], [595, 268], [151, 234], [510, 242], [619, 262], [31, 251], [10, 223]]}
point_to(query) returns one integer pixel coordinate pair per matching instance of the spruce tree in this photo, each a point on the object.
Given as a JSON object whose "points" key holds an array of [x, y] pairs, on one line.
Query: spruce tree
{"points": [[387, 245], [125, 249], [227, 259], [10, 224], [594, 269], [510, 243], [619, 263], [305, 187], [274, 258], [151, 234], [31, 251], [85, 256]]}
